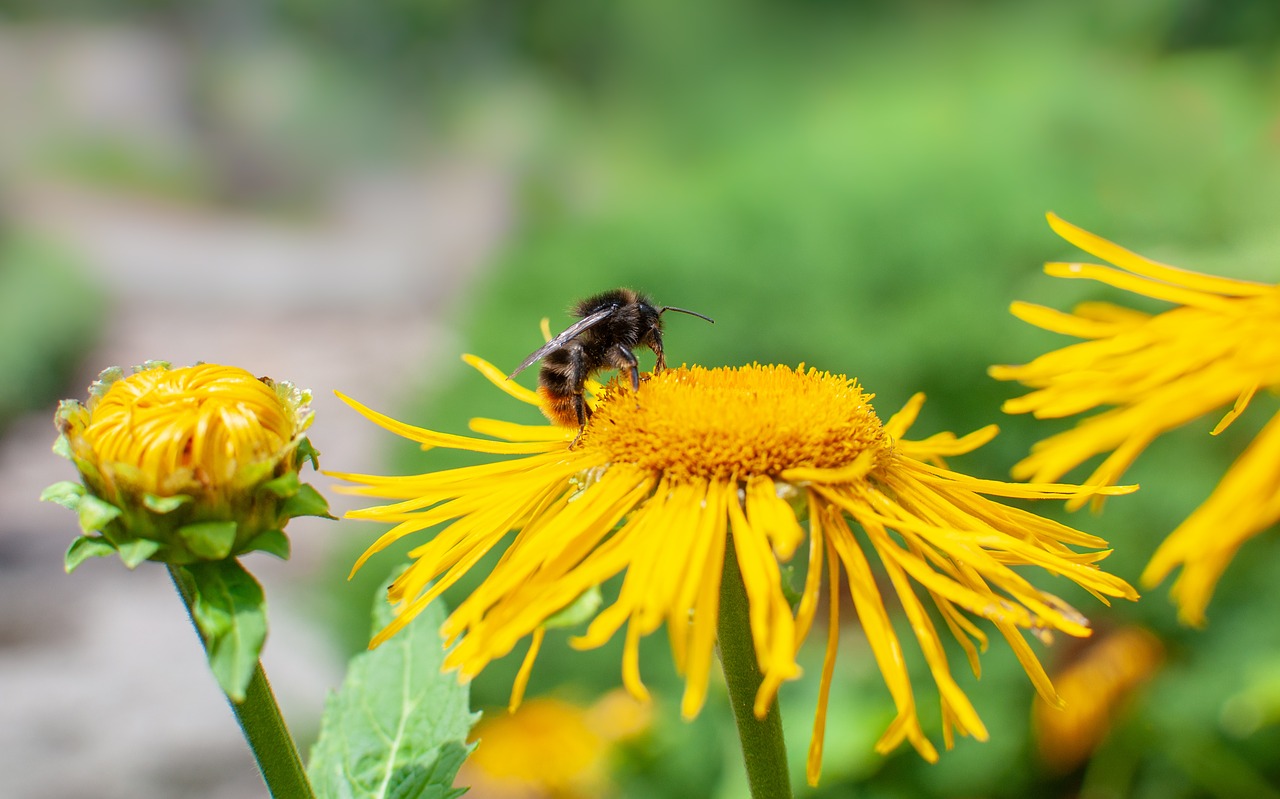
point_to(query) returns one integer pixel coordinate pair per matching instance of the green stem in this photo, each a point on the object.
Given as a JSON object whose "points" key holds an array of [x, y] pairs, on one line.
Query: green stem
{"points": [[763, 748], [262, 723]]}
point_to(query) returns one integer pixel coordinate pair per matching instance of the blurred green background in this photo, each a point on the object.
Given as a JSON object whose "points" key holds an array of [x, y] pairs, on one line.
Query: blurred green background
{"points": [[857, 186]]}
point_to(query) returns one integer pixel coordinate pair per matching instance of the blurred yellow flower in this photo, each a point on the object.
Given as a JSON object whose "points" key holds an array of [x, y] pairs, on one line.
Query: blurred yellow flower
{"points": [[1216, 348], [550, 749], [1094, 687], [660, 478]]}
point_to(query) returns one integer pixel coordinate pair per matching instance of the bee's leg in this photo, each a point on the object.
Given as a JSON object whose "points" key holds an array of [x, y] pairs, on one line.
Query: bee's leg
{"points": [[624, 360], [655, 344], [578, 376]]}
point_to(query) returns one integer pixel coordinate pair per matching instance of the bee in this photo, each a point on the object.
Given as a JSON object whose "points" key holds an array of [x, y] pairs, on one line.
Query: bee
{"points": [[610, 326]]}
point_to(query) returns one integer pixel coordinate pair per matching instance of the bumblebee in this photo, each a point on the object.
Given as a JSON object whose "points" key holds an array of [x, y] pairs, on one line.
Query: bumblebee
{"points": [[611, 325]]}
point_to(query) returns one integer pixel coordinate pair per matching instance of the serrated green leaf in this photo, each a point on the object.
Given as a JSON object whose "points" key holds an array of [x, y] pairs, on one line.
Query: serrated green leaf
{"points": [[307, 502], [85, 547], [95, 513], [137, 551], [430, 781], [273, 542], [286, 485], [229, 608], [578, 611], [65, 493], [209, 540], [157, 504], [397, 728]]}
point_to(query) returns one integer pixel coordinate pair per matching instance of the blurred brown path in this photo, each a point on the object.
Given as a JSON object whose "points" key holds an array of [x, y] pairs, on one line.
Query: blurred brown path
{"points": [[103, 691]]}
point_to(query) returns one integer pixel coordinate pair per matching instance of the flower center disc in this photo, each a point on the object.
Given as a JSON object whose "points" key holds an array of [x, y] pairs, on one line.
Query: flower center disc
{"points": [[752, 420]]}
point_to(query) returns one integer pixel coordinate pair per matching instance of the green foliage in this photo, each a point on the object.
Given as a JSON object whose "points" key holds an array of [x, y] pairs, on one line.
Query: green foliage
{"points": [[229, 609], [49, 313], [397, 727]]}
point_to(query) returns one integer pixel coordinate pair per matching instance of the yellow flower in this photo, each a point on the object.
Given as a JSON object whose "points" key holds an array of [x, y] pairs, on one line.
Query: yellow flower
{"points": [[660, 478], [1094, 688], [550, 748], [183, 465], [1216, 348]]}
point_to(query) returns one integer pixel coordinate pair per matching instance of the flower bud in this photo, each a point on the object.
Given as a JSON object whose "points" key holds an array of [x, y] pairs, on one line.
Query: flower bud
{"points": [[185, 465]]}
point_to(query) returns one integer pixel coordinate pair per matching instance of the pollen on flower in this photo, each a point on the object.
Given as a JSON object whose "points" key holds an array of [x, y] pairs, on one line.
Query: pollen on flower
{"points": [[753, 421]]}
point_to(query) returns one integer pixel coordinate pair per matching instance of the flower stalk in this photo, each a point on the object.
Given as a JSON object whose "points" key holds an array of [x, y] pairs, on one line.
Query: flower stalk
{"points": [[260, 718], [764, 750]]}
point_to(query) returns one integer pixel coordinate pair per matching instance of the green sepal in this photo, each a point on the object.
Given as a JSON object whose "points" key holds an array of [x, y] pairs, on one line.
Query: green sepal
{"points": [[95, 513], [209, 540], [306, 502], [62, 448], [136, 551], [66, 493], [305, 452], [576, 612], [397, 728], [106, 377], [284, 486], [272, 542], [229, 609], [162, 505], [85, 547]]}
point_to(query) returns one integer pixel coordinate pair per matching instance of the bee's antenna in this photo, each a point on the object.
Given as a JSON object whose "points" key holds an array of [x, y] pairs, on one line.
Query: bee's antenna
{"points": [[666, 308]]}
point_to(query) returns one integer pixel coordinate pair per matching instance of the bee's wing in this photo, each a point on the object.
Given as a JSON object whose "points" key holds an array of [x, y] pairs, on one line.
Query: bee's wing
{"points": [[562, 339]]}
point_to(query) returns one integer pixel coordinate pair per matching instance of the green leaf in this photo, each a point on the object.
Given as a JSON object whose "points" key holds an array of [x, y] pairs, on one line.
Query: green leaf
{"points": [[209, 540], [95, 513], [576, 612], [85, 547], [157, 504], [307, 502], [397, 727], [136, 551], [229, 609], [286, 485], [273, 542], [66, 493]]}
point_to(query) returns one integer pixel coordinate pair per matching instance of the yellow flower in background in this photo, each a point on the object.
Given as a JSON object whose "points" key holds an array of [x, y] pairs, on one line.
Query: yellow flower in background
{"points": [[1214, 350], [185, 465], [661, 477], [1094, 687], [550, 749]]}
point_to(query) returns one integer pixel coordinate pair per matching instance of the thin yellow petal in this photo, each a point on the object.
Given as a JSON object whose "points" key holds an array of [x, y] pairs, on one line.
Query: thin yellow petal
{"points": [[1125, 259], [430, 438], [1138, 285], [526, 668], [494, 375], [813, 763]]}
